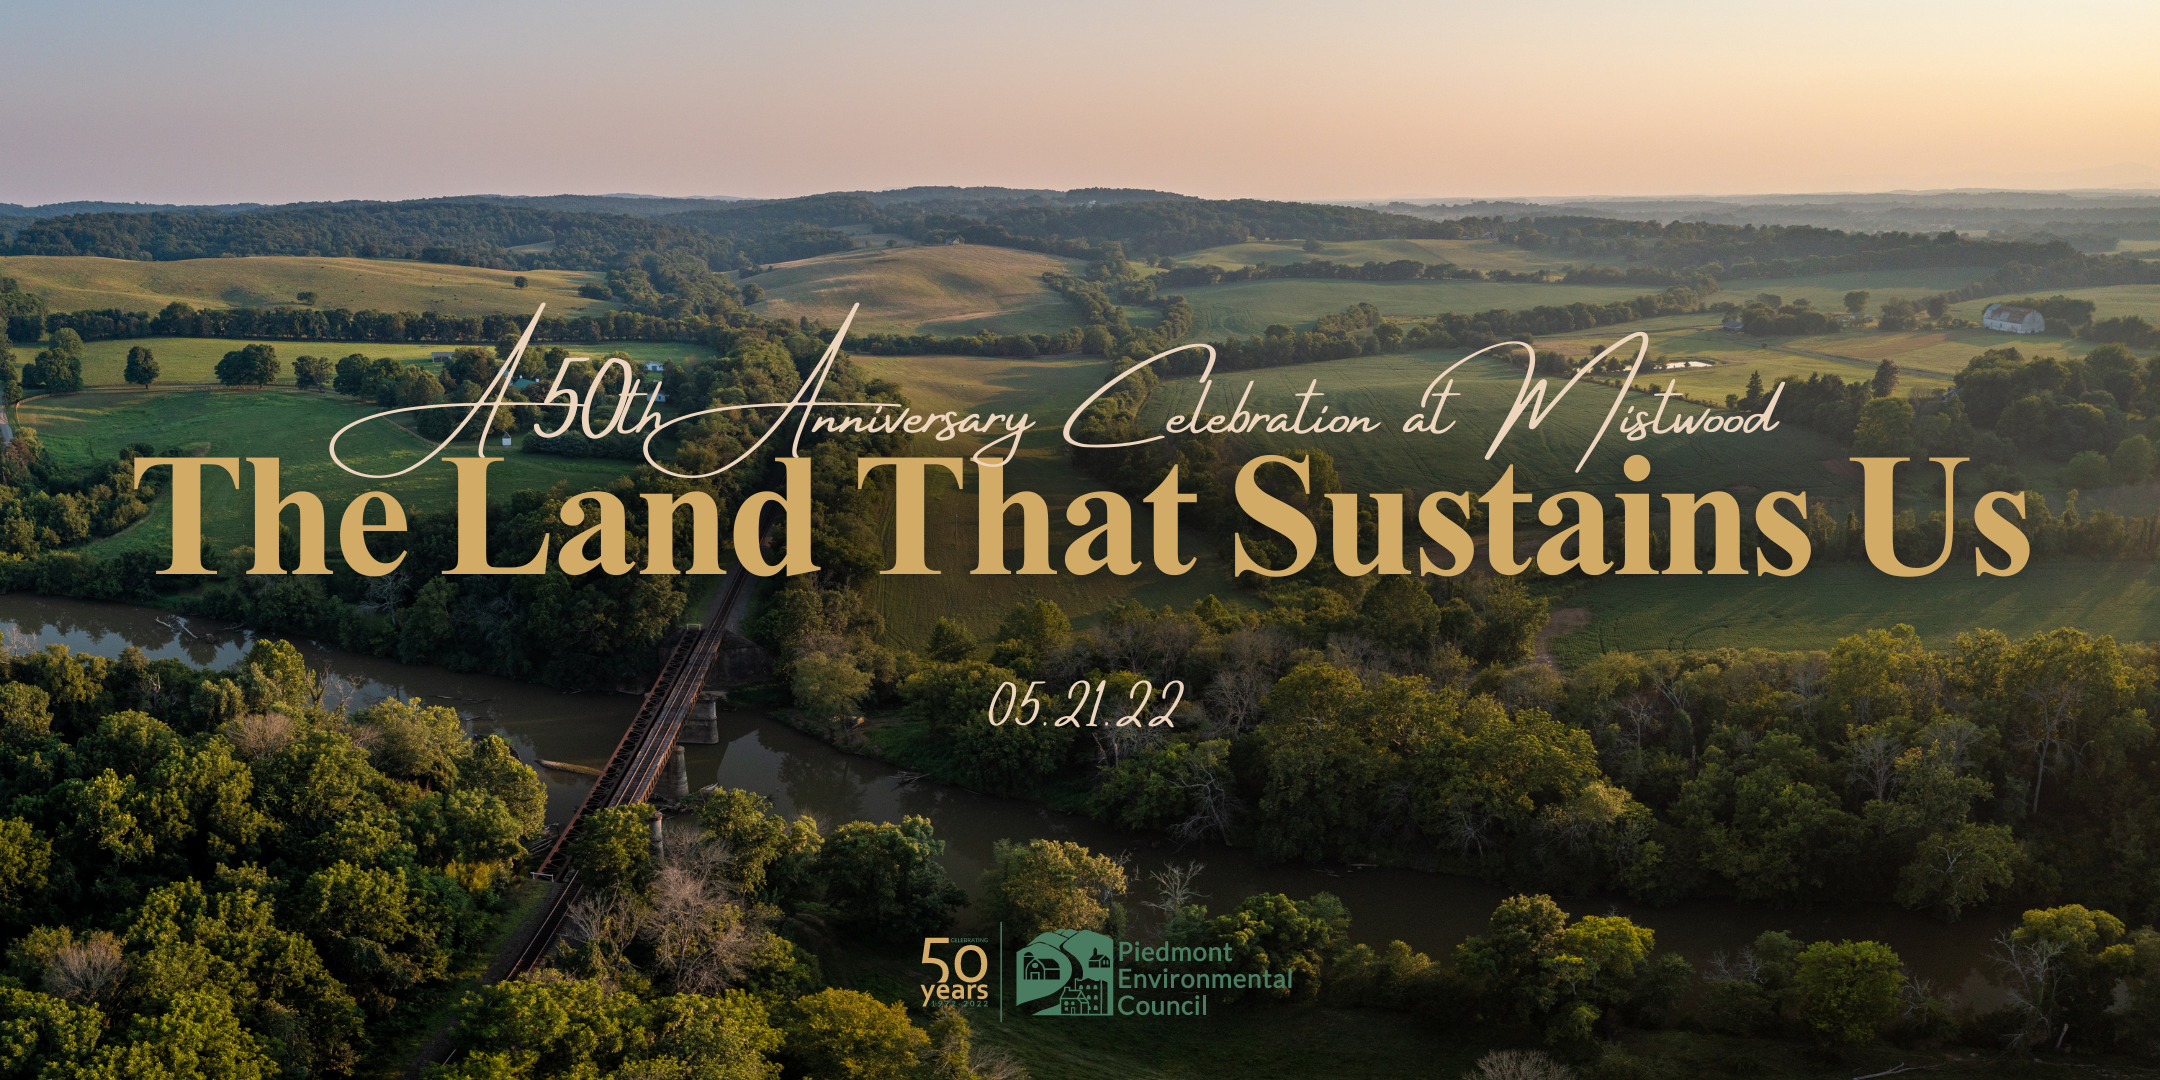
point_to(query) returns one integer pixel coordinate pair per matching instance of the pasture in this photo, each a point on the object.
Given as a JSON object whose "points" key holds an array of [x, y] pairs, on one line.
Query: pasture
{"points": [[2109, 301], [73, 283], [930, 290], [1475, 254], [1249, 307], [1827, 291], [1830, 601], [1246, 308], [292, 426], [194, 360], [1923, 358]]}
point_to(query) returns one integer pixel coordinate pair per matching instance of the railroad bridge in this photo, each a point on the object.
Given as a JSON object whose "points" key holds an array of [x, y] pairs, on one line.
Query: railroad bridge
{"points": [[640, 758]]}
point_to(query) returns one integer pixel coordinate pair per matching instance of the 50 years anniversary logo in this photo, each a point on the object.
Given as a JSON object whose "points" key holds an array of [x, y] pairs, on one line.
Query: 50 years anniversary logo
{"points": [[1085, 973]]}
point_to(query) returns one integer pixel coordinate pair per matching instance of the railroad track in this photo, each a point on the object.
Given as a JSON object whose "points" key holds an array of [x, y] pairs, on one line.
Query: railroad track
{"points": [[643, 753]]}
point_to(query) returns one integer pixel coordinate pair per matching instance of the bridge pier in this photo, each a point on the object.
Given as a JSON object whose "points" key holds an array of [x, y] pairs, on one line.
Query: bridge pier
{"points": [[702, 726], [677, 782]]}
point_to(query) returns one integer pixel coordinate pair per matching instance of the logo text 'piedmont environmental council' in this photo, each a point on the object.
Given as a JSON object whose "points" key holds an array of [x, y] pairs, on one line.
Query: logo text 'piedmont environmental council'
{"points": [[1083, 973]]}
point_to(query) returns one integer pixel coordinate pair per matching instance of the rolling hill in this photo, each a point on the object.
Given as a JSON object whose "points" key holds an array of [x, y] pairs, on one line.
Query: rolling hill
{"points": [[74, 282], [930, 290]]}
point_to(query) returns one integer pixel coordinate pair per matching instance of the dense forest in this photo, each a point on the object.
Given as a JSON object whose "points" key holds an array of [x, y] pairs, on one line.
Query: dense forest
{"points": [[1392, 721], [215, 874]]}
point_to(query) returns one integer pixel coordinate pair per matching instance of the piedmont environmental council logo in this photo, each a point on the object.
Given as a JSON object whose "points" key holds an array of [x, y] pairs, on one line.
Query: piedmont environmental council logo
{"points": [[1065, 973], [1085, 973]]}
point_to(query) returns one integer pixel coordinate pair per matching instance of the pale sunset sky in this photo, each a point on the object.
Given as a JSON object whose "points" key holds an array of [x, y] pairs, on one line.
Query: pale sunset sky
{"points": [[276, 102]]}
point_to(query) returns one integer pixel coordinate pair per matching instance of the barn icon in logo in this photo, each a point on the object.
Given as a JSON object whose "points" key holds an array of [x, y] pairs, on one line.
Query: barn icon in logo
{"points": [[1065, 973]]}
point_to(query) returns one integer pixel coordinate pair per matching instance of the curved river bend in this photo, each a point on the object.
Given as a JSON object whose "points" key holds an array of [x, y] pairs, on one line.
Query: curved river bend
{"points": [[1432, 912]]}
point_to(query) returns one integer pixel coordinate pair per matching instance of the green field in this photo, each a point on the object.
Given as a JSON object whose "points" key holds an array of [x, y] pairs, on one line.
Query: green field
{"points": [[194, 360], [1249, 307], [1926, 360], [1048, 390], [954, 289], [1827, 291], [1246, 308], [1475, 254], [930, 290], [1827, 602], [292, 426], [74, 283], [2110, 301]]}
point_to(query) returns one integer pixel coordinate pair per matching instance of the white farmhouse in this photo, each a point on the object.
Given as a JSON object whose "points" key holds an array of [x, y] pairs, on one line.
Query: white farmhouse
{"points": [[2013, 320]]}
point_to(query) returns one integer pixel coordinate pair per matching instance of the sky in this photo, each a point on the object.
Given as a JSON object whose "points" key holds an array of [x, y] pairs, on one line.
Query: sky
{"points": [[1356, 99]]}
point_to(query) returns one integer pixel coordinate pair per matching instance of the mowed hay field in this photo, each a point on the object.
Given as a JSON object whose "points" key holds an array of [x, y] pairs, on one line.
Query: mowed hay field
{"points": [[1475, 254], [2109, 301], [956, 289], [1047, 390], [74, 283], [292, 426], [1830, 601]]}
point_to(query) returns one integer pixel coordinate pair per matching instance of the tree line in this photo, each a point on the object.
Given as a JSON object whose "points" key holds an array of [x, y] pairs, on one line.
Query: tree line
{"points": [[1397, 270], [467, 233], [1332, 339], [2088, 414], [179, 319]]}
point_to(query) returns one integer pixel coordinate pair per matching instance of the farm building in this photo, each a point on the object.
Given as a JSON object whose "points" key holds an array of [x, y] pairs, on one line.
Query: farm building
{"points": [[2013, 320]]}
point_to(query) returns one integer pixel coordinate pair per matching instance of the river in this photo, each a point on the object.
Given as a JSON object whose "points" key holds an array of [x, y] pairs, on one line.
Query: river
{"points": [[1432, 912]]}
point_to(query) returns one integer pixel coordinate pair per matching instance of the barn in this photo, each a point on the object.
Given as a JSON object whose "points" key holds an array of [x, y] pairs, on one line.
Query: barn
{"points": [[2013, 320]]}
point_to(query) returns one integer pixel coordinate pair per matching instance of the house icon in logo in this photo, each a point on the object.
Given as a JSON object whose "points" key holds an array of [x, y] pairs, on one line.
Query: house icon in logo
{"points": [[1065, 973]]}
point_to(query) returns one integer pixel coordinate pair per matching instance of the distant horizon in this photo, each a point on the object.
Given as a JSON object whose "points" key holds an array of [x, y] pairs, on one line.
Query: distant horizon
{"points": [[1741, 198]]}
